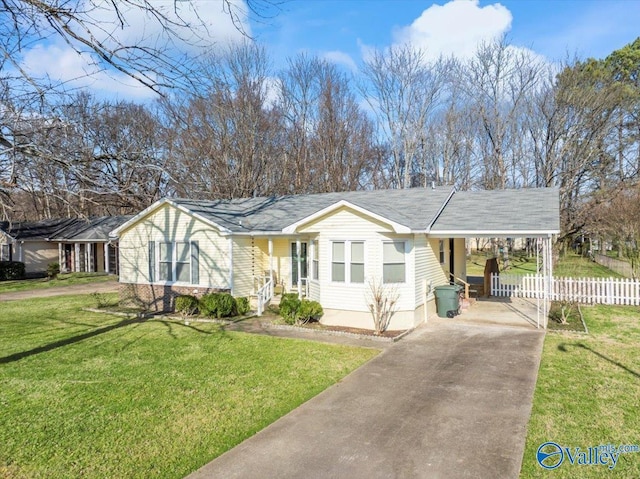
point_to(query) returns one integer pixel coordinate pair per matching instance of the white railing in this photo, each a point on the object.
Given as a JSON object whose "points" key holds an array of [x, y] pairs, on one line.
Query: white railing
{"points": [[264, 294], [622, 291]]}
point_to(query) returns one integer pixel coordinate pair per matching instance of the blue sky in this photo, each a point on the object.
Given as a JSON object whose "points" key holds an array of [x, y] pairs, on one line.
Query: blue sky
{"points": [[552, 28], [343, 30]]}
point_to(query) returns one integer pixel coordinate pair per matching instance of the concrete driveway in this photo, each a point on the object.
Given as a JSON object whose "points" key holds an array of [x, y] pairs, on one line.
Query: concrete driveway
{"points": [[451, 400]]}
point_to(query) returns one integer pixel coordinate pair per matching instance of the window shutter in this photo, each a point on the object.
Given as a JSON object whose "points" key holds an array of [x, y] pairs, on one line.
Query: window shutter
{"points": [[195, 263], [152, 262]]}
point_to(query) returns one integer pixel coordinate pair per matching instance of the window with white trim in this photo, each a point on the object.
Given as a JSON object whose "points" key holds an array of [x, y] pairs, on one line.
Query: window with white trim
{"points": [[356, 262], [177, 262], [315, 262], [165, 262], [441, 248], [5, 252], [347, 261], [337, 261], [394, 264]]}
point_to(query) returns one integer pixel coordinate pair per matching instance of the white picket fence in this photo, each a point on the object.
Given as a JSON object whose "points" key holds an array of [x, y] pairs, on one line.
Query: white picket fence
{"points": [[621, 291]]}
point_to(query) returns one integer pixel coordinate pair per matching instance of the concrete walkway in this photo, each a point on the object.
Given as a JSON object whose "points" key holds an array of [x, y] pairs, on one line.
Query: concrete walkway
{"points": [[100, 287], [451, 400]]}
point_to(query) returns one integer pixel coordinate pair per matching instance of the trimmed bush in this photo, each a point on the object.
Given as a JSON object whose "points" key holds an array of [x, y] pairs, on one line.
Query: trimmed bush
{"points": [[10, 270], [289, 305], [242, 306], [187, 305], [295, 311], [53, 270], [308, 311], [217, 305]]}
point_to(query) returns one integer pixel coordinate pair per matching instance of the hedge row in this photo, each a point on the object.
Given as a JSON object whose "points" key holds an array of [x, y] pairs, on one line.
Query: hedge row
{"points": [[213, 305], [10, 270]]}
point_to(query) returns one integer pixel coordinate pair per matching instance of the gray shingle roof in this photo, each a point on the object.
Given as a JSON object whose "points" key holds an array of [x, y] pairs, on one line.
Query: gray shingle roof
{"points": [[65, 229], [35, 230], [414, 208], [535, 209], [92, 229]]}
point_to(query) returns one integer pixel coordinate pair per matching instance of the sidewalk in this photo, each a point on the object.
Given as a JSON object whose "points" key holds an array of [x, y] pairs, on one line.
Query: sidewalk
{"points": [[99, 287]]}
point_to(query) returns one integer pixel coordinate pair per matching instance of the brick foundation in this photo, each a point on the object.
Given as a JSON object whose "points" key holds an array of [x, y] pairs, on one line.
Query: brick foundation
{"points": [[159, 298]]}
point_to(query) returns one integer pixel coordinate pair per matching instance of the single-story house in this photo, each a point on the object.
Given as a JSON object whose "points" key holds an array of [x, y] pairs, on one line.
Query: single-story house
{"points": [[329, 247], [78, 245]]}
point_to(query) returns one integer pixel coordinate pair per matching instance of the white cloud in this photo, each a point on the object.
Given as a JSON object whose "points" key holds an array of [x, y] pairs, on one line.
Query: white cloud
{"points": [[197, 24], [210, 27], [341, 58], [455, 28]]}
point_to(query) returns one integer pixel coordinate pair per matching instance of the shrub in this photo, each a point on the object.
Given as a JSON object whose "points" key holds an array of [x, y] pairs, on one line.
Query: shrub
{"points": [[187, 305], [226, 305], [10, 270], [294, 311], [289, 305], [53, 270], [218, 305], [309, 310], [242, 306]]}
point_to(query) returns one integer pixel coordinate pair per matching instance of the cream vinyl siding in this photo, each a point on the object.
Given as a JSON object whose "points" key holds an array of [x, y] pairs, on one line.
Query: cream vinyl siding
{"points": [[169, 224], [348, 225], [434, 268], [428, 265]]}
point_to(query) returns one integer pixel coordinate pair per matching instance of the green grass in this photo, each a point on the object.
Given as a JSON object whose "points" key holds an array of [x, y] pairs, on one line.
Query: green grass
{"points": [[61, 280], [575, 266], [570, 265], [587, 393], [92, 395]]}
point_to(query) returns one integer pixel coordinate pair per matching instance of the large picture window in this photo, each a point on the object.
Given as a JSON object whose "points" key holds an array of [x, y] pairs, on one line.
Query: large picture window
{"points": [[394, 265], [177, 262]]}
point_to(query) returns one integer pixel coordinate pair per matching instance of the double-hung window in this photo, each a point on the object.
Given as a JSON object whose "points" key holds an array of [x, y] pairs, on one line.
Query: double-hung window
{"points": [[177, 262], [315, 262], [5, 252], [347, 261], [356, 262], [394, 265], [441, 248]]}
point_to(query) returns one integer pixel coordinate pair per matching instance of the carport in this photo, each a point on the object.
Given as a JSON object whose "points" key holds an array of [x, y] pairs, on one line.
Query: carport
{"points": [[527, 213]]}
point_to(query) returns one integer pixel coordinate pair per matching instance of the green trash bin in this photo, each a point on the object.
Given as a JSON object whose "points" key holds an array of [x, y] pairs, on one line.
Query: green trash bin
{"points": [[448, 300]]}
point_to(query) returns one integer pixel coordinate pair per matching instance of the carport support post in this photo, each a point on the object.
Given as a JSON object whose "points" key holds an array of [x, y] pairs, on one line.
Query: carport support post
{"points": [[60, 262], [547, 259]]}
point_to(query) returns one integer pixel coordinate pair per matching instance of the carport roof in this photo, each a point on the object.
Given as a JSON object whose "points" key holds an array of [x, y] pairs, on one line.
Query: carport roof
{"points": [[524, 212]]}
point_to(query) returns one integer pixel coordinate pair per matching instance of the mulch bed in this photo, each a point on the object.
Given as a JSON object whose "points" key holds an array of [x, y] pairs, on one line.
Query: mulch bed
{"points": [[344, 329]]}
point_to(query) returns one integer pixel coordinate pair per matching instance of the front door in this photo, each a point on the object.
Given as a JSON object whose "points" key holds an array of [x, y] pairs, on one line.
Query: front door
{"points": [[294, 262]]}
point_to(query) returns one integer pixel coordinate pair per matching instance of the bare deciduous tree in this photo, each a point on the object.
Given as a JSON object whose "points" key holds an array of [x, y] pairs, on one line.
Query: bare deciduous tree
{"points": [[403, 89]]}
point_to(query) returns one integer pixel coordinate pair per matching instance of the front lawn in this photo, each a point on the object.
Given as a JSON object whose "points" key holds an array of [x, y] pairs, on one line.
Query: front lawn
{"points": [[92, 395], [587, 394], [569, 265], [62, 280]]}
